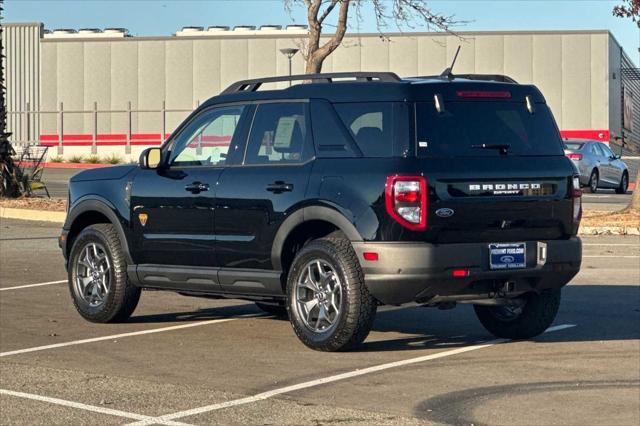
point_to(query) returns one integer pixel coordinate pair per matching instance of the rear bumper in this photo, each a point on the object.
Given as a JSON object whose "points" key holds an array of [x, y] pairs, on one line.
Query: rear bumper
{"points": [[407, 272]]}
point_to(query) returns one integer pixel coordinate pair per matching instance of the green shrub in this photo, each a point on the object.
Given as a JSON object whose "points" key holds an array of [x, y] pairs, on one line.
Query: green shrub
{"points": [[76, 159], [92, 159], [112, 159], [57, 159]]}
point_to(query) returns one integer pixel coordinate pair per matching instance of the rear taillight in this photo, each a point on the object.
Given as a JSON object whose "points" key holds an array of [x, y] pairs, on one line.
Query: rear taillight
{"points": [[574, 156], [576, 194], [406, 201]]}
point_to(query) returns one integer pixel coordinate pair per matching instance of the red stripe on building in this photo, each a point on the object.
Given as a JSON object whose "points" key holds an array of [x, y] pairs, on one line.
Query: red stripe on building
{"points": [[598, 135]]}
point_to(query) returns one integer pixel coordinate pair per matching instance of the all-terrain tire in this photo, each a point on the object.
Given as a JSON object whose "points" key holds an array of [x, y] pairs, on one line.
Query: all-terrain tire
{"points": [[358, 307], [279, 310], [538, 313], [122, 296], [624, 184]]}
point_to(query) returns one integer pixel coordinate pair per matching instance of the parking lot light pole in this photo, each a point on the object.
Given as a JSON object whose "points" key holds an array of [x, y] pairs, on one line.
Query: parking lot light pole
{"points": [[289, 52]]}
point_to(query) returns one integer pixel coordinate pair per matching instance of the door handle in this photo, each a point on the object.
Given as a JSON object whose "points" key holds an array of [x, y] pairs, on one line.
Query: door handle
{"points": [[279, 187], [197, 187]]}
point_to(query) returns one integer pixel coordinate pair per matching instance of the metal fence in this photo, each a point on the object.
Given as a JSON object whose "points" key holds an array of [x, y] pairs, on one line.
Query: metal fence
{"points": [[36, 125]]}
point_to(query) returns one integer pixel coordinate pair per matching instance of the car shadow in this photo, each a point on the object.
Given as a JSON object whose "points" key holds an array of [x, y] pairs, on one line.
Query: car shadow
{"points": [[599, 313], [205, 314]]}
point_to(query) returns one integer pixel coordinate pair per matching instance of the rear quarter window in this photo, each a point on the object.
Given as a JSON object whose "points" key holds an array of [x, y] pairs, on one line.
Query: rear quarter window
{"points": [[462, 126], [380, 129]]}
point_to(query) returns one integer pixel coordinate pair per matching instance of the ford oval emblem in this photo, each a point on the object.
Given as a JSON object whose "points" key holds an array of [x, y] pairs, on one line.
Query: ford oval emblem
{"points": [[445, 212], [507, 259]]}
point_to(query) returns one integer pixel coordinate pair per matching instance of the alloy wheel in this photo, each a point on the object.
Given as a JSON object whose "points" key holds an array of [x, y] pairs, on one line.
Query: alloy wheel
{"points": [[93, 274], [318, 296]]}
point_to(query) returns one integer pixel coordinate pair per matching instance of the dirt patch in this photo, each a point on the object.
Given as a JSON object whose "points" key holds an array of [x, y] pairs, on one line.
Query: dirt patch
{"points": [[605, 219], [35, 203]]}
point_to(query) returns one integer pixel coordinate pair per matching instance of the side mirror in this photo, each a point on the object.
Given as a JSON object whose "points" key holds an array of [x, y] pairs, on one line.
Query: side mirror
{"points": [[150, 158]]}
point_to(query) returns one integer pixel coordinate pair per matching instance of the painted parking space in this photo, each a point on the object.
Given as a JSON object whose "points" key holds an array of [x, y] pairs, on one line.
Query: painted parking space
{"points": [[183, 370]]}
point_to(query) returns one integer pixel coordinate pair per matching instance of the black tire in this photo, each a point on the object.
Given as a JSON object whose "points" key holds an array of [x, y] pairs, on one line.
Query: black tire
{"points": [[593, 181], [357, 309], [624, 184], [536, 315], [279, 310], [122, 297]]}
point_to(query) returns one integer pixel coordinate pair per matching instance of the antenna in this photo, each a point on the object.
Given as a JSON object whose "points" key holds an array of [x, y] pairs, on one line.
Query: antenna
{"points": [[447, 72]]}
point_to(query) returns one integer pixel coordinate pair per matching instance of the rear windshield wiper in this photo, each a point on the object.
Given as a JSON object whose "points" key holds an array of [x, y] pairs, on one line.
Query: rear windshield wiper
{"points": [[503, 147]]}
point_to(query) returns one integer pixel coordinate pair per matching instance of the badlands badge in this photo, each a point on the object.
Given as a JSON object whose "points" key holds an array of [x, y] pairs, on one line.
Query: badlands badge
{"points": [[142, 217]]}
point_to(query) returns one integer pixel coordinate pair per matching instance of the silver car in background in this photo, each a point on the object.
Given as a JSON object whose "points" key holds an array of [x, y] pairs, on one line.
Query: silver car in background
{"points": [[599, 167]]}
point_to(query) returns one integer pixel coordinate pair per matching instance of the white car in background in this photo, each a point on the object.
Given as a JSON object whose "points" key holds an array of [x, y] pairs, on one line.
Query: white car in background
{"points": [[599, 167]]}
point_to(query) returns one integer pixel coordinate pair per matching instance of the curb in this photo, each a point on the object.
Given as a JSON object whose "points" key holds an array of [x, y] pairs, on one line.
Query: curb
{"points": [[36, 215], [609, 230], [50, 165]]}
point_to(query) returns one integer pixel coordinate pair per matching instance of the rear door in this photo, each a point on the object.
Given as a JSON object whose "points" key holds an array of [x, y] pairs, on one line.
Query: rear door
{"points": [[496, 171], [254, 198]]}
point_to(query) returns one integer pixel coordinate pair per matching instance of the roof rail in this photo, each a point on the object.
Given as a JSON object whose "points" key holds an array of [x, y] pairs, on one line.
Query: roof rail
{"points": [[483, 77], [254, 84]]}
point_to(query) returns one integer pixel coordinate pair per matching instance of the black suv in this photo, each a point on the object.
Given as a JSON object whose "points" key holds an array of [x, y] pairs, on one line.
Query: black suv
{"points": [[326, 199]]}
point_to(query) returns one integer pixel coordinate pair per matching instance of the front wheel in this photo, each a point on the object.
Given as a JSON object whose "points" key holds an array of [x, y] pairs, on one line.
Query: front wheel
{"points": [[525, 318], [593, 182], [329, 305], [98, 280], [624, 184]]}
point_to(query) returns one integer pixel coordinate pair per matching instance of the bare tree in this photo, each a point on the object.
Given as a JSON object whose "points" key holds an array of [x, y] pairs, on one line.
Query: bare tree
{"points": [[401, 13], [628, 9], [9, 181]]}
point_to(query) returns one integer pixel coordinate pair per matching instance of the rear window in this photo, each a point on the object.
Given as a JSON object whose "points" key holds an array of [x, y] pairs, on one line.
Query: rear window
{"points": [[380, 129], [462, 126], [573, 146]]}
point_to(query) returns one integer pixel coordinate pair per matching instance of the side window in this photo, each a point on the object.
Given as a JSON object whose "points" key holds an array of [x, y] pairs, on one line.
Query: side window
{"points": [[599, 151], [207, 139], [329, 134], [279, 134], [381, 129], [607, 152]]}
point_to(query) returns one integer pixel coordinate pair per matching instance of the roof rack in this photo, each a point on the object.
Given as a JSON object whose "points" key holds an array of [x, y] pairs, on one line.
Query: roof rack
{"points": [[254, 84], [482, 77]]}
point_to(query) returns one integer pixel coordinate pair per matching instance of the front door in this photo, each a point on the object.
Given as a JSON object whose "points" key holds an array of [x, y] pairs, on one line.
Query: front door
{"points": [[173, 207], [253, 199]]}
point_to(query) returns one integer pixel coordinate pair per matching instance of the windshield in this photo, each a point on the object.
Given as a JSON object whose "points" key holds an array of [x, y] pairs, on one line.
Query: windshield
{"points": [[463, 127]]}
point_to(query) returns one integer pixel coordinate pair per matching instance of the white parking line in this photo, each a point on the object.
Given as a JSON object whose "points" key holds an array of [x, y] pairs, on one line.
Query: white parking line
{"points": [[355, 373], [92, 408], [32, 285], [612, 244], [119, 336], [612, 257]]}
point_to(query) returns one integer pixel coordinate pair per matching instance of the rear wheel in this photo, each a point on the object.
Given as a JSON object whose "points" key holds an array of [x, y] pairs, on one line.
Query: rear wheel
{"points": [[624, 184], [593, 182], [98, 280], [528, 317], [329, 305]]}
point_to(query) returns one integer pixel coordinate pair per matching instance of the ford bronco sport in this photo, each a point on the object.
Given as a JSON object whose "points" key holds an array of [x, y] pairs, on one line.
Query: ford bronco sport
{"points": [[327, 199]]}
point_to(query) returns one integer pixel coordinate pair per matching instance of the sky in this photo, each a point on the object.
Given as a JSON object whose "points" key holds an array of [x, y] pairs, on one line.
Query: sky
{"points": [[164, 17]]}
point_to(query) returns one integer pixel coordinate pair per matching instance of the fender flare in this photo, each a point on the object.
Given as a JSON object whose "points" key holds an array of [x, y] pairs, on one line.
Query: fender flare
{"points": [[306, 214], [100, 205]]}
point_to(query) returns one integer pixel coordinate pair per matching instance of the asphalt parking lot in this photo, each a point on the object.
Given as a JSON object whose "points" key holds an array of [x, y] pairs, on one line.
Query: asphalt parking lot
{"points": [[197, 361]]}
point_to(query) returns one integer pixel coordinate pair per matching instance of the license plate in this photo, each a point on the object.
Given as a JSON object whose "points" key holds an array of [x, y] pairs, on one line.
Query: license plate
{"points": [[507, 255]]}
